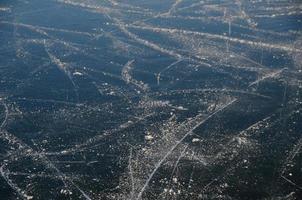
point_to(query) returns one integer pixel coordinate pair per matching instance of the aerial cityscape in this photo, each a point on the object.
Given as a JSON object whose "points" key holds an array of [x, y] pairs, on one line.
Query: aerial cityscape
{"points": [[151, 99]]}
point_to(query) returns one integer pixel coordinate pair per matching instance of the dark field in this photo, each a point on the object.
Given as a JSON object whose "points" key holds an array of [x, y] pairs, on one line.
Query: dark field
{"points": [[151, 99]]}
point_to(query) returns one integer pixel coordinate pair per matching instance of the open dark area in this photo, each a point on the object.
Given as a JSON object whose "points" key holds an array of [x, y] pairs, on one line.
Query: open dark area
{"points": [[151, 99]]}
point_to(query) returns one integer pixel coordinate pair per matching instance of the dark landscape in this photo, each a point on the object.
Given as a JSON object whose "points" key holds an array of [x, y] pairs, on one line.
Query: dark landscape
{"points": [[151, 99]]}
